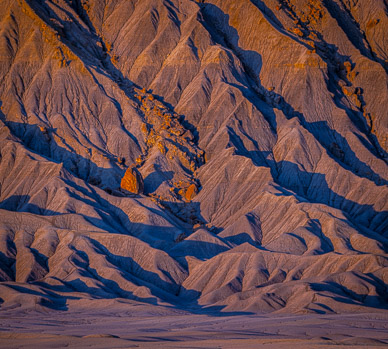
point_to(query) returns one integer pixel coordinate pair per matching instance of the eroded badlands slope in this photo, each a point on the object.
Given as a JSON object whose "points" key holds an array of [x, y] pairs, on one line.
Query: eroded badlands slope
{"points": [[259, 127]]}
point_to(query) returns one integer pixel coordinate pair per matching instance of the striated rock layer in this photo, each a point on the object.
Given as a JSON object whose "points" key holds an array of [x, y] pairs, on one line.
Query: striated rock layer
{"points": [[258, 130]]}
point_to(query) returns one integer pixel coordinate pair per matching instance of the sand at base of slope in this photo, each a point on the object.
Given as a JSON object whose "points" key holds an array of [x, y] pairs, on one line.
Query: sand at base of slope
{"points": [[141, 326]]}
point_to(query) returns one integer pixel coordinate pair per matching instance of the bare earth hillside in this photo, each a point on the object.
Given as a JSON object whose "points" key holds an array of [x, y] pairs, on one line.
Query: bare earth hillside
{"points": [[256, 133]]}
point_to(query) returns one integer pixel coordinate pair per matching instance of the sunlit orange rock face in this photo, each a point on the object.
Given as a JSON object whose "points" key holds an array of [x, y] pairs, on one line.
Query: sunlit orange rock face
{"points": [[191, 192], [132, 181], [259, 134]]}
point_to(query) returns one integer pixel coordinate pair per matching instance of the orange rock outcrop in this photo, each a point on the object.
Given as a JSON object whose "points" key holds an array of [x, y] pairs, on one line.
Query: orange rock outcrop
{"points": [[132, 181]]}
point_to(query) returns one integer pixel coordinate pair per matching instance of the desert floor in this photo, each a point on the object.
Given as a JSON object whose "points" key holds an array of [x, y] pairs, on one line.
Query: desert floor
{"points": [[142, 326]]}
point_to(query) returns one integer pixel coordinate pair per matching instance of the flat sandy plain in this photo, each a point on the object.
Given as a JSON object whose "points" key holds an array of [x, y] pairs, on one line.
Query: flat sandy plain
{"points": [[143, 326]]}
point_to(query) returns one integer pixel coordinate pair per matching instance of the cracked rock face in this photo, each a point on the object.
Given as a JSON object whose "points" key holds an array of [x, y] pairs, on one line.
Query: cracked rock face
{"points": [[258, 130]]}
